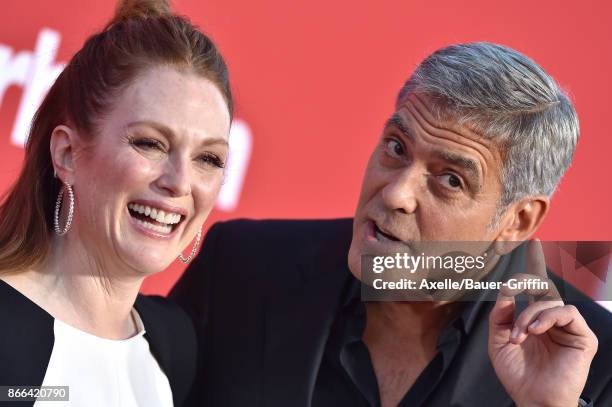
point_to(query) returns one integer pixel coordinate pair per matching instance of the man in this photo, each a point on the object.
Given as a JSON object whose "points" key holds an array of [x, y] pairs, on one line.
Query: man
{"points": [[479, 139]]}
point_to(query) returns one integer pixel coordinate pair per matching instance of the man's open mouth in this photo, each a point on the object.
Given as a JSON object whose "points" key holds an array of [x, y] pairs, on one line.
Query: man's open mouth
{"points": [[383, 236]]}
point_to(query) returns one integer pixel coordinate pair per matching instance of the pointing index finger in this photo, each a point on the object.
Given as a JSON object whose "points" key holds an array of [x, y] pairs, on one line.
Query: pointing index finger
{"points": [[536, 262], [536, 266]]}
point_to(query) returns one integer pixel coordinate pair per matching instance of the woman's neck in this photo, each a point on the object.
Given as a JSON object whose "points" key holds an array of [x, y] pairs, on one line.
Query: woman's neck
{"points": [[79, 290]]}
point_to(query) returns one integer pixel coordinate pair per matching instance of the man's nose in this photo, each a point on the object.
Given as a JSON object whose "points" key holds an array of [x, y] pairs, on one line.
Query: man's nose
{"points": [[176, 177], [400, 193]]}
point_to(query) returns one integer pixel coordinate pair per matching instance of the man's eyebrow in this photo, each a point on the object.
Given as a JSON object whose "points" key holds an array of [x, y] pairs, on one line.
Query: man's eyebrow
{"points": [[458, 160], [397, 121], [461, 161], [167, 131]]}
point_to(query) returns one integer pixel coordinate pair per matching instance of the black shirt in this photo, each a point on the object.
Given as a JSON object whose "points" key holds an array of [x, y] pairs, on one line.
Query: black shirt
{"points": [[346, 376]]}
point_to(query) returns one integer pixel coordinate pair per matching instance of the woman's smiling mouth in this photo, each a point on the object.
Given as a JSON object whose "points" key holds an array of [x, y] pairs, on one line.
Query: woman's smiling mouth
{"points": [[154, 218]]}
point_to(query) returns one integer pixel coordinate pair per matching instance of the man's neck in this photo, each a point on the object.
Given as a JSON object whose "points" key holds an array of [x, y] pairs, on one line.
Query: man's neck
{"points": [[408, 322], [402, 340]]}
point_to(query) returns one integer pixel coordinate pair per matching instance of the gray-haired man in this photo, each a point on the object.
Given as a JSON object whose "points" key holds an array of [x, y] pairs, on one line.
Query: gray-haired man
{"points": [[478, 141]]}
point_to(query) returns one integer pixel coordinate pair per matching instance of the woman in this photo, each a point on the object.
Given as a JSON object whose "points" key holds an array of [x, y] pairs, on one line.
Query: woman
{"points": [[123, 164]]}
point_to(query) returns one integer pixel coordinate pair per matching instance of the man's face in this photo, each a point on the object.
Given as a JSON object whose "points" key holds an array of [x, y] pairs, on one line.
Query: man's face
{"points": [[425, 181]]}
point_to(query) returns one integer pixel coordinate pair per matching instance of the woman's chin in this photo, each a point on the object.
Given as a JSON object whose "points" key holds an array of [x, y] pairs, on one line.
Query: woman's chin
{"points": [[145, 252], [149, 264]]}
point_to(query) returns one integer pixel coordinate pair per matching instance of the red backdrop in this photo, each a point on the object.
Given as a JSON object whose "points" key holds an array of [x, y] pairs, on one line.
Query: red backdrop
{"points": [[315, 80]]}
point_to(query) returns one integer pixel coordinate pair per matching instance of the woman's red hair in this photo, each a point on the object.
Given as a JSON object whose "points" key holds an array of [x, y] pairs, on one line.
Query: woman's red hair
{"points": [[142, 34]]}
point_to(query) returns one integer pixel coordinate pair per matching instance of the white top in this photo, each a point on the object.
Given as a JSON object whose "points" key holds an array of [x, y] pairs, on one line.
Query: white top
{"points": [[105, 372]]}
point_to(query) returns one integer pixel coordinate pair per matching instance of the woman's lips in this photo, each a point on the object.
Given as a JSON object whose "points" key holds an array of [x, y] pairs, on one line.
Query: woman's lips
{"points": [[151, 233]]}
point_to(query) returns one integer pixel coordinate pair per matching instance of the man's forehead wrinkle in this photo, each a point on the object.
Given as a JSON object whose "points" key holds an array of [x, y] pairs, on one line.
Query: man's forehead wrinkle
{"points": [[450, 134], [485, 148], [421, 107], [430, 128]]}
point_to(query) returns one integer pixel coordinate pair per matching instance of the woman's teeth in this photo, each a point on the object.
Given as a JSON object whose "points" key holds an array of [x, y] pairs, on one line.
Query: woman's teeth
{"points": [[156, 228], [164, 220]]}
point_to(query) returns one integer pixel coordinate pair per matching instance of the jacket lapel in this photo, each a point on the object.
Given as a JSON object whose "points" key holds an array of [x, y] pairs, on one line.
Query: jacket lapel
{"points": [[26, 340], [297, 325]]}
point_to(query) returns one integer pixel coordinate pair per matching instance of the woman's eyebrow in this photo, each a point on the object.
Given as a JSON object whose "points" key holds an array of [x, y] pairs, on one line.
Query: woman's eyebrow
{"points": [[169, 133]]}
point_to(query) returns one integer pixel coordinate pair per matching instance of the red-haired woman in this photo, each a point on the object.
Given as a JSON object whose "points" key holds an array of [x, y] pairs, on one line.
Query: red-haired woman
{"points": [[123, 164]]}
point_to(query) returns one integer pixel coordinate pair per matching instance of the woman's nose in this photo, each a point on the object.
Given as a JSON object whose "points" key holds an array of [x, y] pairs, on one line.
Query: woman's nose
{"points": [[176, 177]]}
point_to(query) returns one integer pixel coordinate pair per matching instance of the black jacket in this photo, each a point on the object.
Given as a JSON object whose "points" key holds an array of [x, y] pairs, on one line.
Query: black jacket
{"points": [[264, 294], [26, 341]]}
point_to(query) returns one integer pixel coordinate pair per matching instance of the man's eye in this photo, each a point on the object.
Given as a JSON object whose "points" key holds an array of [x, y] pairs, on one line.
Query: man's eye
{"points": [[394, 148], [451, 181]]}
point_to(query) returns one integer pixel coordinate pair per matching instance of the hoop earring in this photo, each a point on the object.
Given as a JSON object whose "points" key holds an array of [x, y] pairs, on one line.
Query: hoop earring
{"points": [[58, 206], [193, 250]]}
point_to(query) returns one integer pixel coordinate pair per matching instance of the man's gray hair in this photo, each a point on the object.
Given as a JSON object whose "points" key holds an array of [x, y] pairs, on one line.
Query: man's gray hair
{"points": [[504, 95]]}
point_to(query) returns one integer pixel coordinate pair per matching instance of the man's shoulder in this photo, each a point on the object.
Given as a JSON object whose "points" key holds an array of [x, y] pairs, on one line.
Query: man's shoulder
{"points": [[166, 324], [172, 340], [285, 230], [598, 318], [158, 311], [244, 261], [281, 240]]}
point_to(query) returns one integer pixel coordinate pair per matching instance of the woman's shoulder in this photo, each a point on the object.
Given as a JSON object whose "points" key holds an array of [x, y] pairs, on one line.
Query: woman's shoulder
{"points": [[16, 306], [27, 338], [20, 317]]}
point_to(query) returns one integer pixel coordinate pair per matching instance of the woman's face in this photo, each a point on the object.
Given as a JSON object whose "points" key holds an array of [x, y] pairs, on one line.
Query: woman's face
{"points": [[149, 178]]}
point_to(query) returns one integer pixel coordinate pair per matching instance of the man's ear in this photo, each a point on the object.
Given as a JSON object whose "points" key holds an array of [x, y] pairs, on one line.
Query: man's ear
{"points": [[520, 221], [62, 146]]}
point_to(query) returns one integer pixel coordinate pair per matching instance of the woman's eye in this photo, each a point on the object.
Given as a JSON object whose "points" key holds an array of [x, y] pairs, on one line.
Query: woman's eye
{"points": [[213, 160], [394, 148], [148, 144], [451, 181]]}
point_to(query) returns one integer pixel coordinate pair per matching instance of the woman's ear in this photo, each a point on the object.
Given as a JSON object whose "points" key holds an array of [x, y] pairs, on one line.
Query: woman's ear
{"points": [[520, 221], [63, 142]]}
